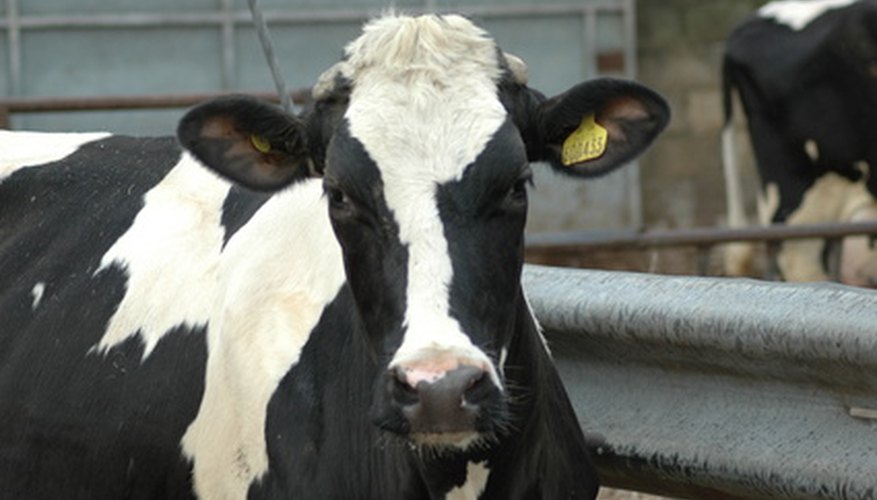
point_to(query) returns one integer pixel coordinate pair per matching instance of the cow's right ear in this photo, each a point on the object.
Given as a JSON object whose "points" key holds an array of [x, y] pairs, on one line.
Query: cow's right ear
{"points": [[247, 140]]}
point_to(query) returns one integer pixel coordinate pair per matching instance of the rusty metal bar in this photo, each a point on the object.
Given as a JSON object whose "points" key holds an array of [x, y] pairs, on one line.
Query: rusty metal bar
{"points": [[635, 239]]}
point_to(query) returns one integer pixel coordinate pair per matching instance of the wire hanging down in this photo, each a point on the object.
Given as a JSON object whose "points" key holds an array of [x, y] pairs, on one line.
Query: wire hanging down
{"points": [[268, 48]]}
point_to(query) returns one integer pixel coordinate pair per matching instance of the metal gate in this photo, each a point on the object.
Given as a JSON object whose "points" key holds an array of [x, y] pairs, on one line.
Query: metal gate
{"points": [[58, 48]]}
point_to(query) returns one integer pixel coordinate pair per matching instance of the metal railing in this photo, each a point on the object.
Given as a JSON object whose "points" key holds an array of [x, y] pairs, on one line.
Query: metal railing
{"points": [[229, 19], [703, 239], [13, 105], [717, 388]]}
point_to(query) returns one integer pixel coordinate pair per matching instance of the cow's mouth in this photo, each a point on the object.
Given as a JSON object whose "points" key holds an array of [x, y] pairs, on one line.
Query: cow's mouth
{"points": [[461, 439]]}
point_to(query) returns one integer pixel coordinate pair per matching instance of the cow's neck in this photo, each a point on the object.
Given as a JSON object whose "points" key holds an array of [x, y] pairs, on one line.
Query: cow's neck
{"points": [[339, 361]]}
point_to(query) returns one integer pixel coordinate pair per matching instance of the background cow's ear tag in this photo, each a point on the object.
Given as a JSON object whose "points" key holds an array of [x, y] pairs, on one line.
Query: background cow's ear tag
{"points": [[260, 143], [586, 143]]}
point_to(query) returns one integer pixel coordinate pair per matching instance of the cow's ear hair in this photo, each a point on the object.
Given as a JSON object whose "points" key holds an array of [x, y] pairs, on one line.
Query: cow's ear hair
{"points": [[247, 140], [595, 126]]}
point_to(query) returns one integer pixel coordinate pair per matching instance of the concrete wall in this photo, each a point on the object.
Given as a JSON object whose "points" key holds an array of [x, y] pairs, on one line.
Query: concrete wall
{"points": [[680, 49]]}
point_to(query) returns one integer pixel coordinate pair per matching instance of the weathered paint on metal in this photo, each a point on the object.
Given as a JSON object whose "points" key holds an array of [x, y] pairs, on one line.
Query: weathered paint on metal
{"points": [[718, 388]]}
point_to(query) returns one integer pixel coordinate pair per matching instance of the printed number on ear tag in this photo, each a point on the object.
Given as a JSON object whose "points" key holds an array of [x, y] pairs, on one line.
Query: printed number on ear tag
{"points": [[586, 143], [260, 143]]}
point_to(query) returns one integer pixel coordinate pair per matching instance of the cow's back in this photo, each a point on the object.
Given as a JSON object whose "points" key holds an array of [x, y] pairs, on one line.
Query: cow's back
{"points": [[77, 419], [812, 81]]}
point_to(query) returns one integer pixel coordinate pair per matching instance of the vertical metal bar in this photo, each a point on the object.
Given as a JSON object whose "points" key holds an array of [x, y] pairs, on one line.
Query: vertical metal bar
{"points": [[632, 176], [772, 268], [630, 61], [268, 48], [589, 21], [229, 80], [833, 252], [703, 260], [13, 34]]}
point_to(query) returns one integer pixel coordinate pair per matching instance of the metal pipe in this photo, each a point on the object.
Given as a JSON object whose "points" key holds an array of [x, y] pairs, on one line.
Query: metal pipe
{"points": [[14, 40], [575, 241], [146, 101], [261, 27], [229, 36]]}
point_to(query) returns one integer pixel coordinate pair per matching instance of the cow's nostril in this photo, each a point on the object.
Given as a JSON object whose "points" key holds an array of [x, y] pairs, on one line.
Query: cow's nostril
{"points": [[403, 393], [476, 379], [479, 388]]}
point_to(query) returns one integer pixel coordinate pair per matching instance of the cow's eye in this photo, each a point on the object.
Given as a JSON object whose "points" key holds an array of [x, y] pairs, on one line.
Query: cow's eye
{"points": [[338, 199], [518, 193]]}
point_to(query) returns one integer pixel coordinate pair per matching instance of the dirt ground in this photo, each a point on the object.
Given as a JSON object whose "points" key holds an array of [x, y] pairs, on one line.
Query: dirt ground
{"points": [[610, 494]]}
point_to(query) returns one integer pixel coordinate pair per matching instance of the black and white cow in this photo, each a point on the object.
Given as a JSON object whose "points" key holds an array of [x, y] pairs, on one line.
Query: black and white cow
{"points": [[342, 320], [806, 74]]}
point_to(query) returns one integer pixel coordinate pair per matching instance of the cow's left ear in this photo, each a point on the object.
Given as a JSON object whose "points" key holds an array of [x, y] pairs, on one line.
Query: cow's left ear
{"points": [[596, 126], [247, 140]]}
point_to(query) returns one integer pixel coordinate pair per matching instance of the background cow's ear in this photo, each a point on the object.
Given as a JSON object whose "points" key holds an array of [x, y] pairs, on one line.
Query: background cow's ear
{"points": [[597, 126], [247, 140]]}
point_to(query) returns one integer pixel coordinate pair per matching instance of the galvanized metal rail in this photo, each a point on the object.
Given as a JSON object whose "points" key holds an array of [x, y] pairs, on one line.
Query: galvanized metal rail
{"points": [[11, 105], [718, 388]]}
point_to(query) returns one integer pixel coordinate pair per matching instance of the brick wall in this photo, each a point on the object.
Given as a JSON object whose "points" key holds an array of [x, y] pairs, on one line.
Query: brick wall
{"points": [[681, 43]]}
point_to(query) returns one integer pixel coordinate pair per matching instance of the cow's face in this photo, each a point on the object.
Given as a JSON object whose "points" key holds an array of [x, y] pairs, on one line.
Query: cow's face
{"points": [[424, 136]]}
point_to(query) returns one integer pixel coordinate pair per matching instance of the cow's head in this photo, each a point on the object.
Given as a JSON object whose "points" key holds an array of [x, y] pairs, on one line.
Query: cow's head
{"points": [[424, 137]]}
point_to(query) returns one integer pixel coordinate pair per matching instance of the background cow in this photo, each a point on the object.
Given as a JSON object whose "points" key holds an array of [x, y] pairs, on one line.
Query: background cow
{"points": [[342, 320], [806, 75]]}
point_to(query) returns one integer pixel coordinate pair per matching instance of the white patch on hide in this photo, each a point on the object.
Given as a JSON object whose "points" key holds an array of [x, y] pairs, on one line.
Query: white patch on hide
{"points": [[424, 105], [476, 480], [31, 149], [811, 149], [277, 274], [798, 14], [170, 255]]}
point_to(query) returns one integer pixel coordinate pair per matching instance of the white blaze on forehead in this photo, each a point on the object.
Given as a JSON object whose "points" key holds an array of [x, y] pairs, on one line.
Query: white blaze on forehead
{"points": [[28, 149], [170, 254], [797, 14], [424, 105]]}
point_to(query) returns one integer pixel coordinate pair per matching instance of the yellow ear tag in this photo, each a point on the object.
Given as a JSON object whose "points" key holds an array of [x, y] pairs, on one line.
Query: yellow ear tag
{"points": [[260, 143], [585, 143]]}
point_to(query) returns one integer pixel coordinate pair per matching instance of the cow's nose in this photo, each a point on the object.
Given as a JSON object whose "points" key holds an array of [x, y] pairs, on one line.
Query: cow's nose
{"points": [[440, 402]]}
